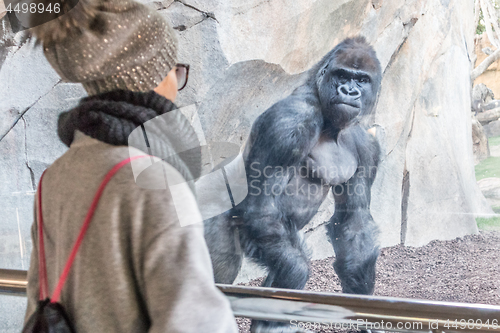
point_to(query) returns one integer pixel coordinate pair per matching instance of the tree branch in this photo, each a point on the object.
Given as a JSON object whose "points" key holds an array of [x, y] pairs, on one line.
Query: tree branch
{"points": [[485, 64], [493, 17], [477, 9], [488, 116], [489, 19]]}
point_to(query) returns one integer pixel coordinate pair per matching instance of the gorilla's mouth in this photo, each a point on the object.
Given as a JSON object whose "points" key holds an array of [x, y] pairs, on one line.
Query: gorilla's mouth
{"points": [[354, 105], [349, 107], [339, 102]]}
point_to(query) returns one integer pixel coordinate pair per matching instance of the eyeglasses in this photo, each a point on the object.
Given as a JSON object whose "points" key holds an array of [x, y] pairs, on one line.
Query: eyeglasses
{"points": [[182, 74]]}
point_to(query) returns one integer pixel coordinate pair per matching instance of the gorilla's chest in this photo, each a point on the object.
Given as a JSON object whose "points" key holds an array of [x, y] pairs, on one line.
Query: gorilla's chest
{"points": [[331, 162]]}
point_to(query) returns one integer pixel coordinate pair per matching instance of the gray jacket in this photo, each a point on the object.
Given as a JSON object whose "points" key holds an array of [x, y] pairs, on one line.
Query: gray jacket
{"points": [[137, 270]]}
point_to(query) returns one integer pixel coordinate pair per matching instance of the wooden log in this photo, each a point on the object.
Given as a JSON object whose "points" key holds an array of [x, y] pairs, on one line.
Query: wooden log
{"points": [[488, 116]]}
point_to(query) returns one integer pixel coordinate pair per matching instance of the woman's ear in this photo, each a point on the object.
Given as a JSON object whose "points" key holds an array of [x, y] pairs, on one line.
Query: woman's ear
{"points": [[168, 87]]}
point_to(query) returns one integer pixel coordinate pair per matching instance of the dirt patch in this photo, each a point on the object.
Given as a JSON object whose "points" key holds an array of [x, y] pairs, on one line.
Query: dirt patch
{"points": [[461, 270]]}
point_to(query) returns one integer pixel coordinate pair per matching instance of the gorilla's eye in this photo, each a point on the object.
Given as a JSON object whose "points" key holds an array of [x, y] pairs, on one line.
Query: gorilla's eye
{"points": [[364, 80], [343, 78]]}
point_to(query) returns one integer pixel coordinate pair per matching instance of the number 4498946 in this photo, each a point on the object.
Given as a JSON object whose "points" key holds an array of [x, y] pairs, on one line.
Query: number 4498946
{"points": [[471, 324], [34, 8]]}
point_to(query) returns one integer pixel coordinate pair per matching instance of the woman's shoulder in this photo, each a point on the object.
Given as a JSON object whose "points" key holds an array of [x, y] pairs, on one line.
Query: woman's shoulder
{"points": [[162, 186]]}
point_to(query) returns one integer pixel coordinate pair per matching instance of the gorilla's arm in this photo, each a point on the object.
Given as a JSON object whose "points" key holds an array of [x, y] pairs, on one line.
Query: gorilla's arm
{"points": [[284, 134], [351, 229]]}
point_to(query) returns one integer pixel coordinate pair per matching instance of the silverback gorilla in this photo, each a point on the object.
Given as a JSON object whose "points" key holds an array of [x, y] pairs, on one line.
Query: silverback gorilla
{"points": [[305, 145]]}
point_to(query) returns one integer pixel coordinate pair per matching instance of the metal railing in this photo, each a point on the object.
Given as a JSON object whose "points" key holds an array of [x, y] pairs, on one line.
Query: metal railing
{"points": [[315, 310], [13, 282]]}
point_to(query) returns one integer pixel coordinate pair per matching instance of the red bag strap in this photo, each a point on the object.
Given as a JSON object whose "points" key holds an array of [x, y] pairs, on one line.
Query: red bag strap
{"points": [[42, 269], [41, 257]]}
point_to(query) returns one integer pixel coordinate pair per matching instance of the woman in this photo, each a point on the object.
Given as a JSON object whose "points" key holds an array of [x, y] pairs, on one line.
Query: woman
{"points": [[137, 270]]}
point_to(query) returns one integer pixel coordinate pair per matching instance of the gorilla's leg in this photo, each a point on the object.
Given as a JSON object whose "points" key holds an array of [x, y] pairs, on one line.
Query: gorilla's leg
{"points": [[223, 245], [353, 234], [281, 249]]}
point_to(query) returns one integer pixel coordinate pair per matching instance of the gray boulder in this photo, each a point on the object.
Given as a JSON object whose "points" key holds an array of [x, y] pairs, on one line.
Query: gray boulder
{"points": [[491, 190], [481, 96], [492, 129]]}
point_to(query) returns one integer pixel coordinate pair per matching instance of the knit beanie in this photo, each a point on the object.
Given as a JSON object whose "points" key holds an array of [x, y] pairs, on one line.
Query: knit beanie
{"points": [[109, 44]]}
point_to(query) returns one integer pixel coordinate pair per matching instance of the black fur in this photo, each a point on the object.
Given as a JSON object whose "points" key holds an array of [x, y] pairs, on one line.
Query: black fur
{"points": [[297, 143]]}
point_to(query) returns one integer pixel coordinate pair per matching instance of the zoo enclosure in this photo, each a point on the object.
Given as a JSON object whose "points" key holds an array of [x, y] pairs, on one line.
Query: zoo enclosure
{"points": [[315, 310]]}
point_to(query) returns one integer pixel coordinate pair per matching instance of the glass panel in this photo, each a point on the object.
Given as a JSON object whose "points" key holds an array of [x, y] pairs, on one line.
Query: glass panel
{"points": [[12, 309], [435, 199]]}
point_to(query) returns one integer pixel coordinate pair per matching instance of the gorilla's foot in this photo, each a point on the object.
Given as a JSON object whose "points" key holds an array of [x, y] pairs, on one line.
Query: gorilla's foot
{"points": [[275, 327]]}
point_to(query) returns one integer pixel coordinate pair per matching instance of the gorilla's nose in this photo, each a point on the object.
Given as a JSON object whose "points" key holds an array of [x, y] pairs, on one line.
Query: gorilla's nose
{"points": [[349, 91]]}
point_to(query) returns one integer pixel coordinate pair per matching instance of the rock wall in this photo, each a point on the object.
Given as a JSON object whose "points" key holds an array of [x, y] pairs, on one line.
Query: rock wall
{"points": [[245, 56], [426, 187]]}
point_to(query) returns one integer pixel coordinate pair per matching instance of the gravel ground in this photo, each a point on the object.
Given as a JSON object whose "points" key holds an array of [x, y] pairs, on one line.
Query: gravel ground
{"points": [[461, 270]]}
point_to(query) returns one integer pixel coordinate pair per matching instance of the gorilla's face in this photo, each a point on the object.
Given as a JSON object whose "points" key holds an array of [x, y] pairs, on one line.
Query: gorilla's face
{"points": [[347, 86]]}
